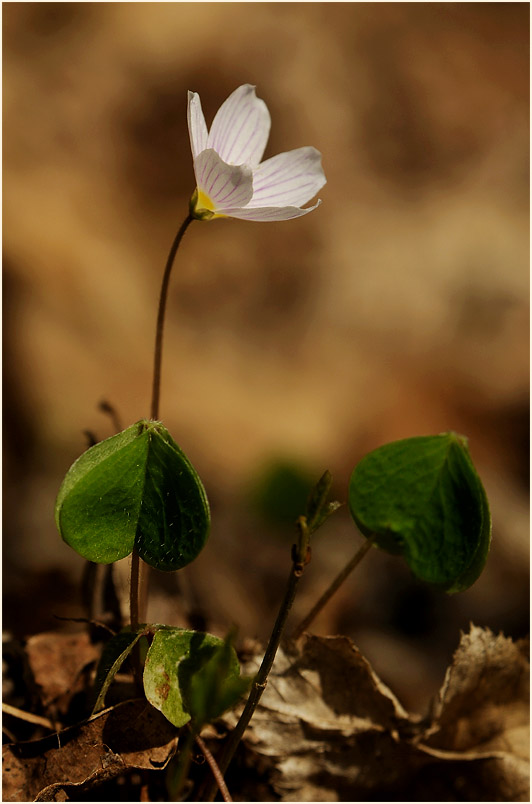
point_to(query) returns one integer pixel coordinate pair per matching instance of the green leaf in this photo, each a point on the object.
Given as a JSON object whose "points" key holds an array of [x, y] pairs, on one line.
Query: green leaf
{"points": [[423, 498], [113, 656], [136, 490], [174, 658], [217, 686]]}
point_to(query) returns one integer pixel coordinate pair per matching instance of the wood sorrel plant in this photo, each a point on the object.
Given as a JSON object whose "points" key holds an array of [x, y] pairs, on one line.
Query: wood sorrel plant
{"points": [[137, 494]]}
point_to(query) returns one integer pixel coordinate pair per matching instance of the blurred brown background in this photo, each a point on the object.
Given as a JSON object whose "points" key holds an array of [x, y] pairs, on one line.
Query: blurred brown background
{"points": [[398, 308]]}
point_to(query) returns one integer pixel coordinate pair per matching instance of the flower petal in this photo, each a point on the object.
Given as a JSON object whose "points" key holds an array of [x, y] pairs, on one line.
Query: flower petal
{"points": [[197, 127], [291, 178], [241, 127], [225, 185], [267, 213]]}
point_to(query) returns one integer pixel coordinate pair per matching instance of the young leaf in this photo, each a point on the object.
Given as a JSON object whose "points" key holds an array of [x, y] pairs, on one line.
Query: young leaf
{"points": [[423, 498], [318, 509], [136, 490], [174, 658], [113, 656]]}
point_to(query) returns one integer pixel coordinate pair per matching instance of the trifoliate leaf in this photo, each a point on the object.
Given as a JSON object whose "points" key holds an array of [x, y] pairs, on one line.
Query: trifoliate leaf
{"points": [[136, 490], [423, 498]]}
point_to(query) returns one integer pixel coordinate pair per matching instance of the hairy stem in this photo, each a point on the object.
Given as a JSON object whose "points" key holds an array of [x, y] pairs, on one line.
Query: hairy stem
{"points": [[334, 586]]}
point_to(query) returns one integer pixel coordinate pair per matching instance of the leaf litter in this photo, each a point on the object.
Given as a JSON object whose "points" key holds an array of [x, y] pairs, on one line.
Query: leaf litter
{"points": [[326, 729], [129, 735], [332, 731]]}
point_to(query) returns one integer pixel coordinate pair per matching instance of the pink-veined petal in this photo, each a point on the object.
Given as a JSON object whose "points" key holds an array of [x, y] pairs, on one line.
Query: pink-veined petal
{"points": [[241, 127], [267, 213], [197, 127], [288, 179], [225, 185]]}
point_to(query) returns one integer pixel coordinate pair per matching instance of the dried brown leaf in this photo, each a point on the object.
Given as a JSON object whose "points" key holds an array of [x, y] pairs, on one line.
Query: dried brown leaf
{"points": [[483, 703], [330, 725], [130, 735], [482, 712], [332, 731], [56, 661]]}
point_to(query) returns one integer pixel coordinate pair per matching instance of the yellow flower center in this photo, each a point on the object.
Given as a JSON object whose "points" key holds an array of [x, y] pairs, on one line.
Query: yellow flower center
{"points": [[202, 208], [204, 202]]}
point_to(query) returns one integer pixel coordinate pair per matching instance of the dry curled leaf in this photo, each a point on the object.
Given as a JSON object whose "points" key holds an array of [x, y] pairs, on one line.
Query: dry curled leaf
{"points": [[332, 731], [129, 735], [480, 704], [482, 712]]}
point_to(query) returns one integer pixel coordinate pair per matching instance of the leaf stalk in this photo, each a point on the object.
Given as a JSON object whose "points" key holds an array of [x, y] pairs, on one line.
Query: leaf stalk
{"points": [[333, 587]]}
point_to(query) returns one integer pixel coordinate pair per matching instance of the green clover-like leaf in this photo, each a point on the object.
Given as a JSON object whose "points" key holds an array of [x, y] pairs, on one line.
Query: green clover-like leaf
{"points": [[135, 490], [423, 498], [190, 675]]}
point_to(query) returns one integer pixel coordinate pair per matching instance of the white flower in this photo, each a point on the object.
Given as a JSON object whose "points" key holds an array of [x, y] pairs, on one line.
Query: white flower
{"points": [[231, 179]]}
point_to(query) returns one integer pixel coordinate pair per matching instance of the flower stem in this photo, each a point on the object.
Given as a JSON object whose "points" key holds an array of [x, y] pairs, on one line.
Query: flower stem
{"points": [[138, 596], [300, 557], [158, 353], [334, 586], [134, 616], [134, 590]]}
